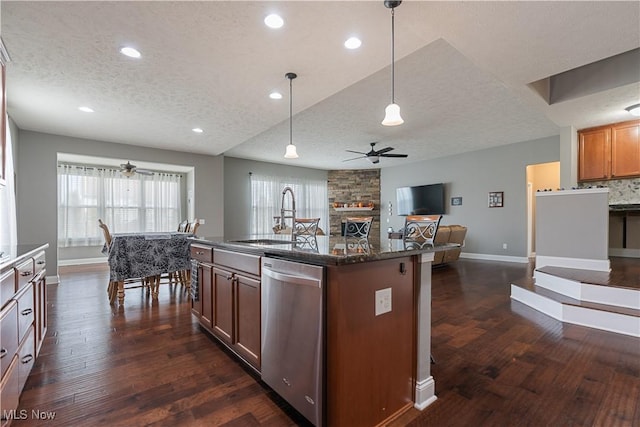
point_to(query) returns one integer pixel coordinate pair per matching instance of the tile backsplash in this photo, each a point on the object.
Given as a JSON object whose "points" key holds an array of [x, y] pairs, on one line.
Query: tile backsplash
{"points": [[621, 191]]}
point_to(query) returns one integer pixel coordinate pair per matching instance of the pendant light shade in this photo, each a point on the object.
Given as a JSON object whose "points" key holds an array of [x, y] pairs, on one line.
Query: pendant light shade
{"points": [[392, 112], [291, 152]]}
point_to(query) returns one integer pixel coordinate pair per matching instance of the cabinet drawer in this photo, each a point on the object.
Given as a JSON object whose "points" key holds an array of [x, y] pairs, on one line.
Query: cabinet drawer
{"points": [[26, 357], [202, 253], [238, 261], [26, 310], [9, 334], [7, 286], [25, 273], [39, 263]]}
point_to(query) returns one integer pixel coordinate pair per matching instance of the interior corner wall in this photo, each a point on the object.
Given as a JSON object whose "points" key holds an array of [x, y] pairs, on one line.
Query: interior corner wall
{"points": [[237, 189], [472, 176], [36, 195]]}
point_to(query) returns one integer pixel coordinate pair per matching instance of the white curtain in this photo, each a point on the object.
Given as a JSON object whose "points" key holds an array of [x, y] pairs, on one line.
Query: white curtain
{"points": [[311, 196], [137, 204], [8, 224]]}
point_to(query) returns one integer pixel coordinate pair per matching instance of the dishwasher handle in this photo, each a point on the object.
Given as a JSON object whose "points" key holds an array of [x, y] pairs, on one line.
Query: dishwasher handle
{"points": [[288, 278]]}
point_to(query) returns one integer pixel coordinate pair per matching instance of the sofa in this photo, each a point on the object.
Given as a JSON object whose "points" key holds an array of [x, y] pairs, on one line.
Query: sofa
{"points": [[449, 234]]}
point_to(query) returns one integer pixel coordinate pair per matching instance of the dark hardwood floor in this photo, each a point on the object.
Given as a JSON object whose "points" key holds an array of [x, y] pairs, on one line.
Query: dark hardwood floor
{"points": [[498, 362]]}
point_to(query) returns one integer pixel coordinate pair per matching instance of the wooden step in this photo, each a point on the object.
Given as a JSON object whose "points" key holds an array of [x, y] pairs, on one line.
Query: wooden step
{"points": [[580, 286], [614, 318]]}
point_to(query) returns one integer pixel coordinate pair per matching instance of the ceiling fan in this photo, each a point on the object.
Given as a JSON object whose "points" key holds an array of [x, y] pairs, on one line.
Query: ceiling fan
{"points": [[129, 170], [374, 155]]}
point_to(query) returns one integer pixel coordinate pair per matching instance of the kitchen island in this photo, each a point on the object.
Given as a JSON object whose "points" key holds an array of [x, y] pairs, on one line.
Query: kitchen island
{"points": [[373, 358]]}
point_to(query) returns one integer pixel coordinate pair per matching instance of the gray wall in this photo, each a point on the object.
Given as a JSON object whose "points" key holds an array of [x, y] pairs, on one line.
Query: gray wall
{"points": [[237, 189], [37, 183], [472, 176]]}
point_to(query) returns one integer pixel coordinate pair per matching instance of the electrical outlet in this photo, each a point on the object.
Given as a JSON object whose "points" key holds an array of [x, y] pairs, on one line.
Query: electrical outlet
{"points": [[383, 301], [504, 246]]}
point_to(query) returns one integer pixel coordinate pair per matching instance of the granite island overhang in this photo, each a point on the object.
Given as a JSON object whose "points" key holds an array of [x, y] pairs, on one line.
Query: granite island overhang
{"points": [[376, 361]]}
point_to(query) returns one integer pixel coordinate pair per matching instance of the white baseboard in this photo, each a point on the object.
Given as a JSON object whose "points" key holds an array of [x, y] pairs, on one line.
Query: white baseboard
{"points": [[52, 280], [425, 393], [580, 263], [81, 261], [493, 257]]}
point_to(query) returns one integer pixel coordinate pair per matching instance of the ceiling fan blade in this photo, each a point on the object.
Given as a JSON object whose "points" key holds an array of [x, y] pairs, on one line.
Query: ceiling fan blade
{"points": [[143, 171], [393, 155], [384, 150], [355, 158], [357, 152]]}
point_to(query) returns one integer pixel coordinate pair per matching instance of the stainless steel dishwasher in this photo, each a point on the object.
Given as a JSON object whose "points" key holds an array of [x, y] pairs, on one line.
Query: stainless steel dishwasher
{"points": [[292, 334]]}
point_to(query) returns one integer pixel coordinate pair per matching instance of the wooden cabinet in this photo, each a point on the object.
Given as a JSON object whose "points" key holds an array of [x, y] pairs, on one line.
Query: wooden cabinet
{"points": [[625, 150], [23, 325], [369, 352], [223, 304], [229, 299], [247, 318], [609, 152]]}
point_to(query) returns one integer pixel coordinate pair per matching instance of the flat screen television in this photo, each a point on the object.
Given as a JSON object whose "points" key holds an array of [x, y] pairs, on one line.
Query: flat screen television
{"points": [[421, 200]]}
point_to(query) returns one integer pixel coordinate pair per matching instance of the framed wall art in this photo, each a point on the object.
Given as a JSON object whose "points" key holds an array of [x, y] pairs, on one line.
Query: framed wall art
{"points": [[496, 199]]}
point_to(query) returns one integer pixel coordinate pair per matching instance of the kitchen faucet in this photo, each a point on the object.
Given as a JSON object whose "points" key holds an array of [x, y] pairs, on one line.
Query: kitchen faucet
{"points": [[283, 211]]}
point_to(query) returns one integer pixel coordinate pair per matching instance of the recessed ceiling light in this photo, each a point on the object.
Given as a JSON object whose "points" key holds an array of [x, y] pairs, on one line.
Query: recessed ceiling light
{"points": [[130, 52], [352, 43], [634, 109], [273, 21], [197, 130], [86, 109], [275, 95]]}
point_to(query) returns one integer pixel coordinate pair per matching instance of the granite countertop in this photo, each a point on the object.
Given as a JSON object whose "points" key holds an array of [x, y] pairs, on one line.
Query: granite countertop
{"points": [[11, 255], [327, 250]]}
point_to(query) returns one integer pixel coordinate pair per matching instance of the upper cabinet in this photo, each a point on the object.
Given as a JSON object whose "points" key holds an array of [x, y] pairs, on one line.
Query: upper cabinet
{"points": [[609, 152]]}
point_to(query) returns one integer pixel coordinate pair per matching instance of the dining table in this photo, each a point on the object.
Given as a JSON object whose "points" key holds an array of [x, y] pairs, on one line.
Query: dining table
{"points": [[146, 256]]}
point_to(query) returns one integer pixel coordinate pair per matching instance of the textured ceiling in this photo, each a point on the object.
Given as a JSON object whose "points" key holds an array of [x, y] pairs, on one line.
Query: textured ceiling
{"points": [[462, 74]]}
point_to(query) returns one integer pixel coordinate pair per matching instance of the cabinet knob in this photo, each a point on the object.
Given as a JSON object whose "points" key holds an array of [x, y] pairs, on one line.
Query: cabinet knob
{"points": [[199, 253], [25, 273], [26, 311], [40, 262], [3, 352], [26, 359]]}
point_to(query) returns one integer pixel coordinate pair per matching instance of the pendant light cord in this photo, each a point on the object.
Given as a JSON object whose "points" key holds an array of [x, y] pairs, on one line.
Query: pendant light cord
{"points": [[393, 79], [290, 112]]}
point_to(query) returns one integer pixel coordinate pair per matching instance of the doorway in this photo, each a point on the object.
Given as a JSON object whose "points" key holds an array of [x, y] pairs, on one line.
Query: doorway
{"points": [[543, 176]]}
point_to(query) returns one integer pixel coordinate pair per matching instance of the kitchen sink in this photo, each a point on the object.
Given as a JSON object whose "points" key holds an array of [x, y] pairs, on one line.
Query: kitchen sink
{"points": [[264, 241]]}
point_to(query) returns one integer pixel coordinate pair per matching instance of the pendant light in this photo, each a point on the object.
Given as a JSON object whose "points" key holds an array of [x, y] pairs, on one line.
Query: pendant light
{"points": [[291, 152], [392, 112]]}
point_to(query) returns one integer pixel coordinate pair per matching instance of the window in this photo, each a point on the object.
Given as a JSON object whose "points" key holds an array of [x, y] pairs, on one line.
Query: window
{"points": [[139, 203], [266, 198]]}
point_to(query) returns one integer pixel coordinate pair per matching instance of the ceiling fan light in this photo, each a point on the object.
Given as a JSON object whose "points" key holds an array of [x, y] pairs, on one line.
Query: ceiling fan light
{"points": [[634, 110], [392, 115], [291, 152], [128, 173]]}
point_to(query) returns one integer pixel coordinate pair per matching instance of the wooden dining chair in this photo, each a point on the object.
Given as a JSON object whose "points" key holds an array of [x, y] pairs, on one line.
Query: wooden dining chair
{"points": [[112, 287], [192, 227]]}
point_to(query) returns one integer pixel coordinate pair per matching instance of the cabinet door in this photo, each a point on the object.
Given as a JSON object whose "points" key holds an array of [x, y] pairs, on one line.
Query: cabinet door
{"points": [[223, 304], [247, 337], [41, 307], [625, 150], [594, 154], [205, 280]]}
